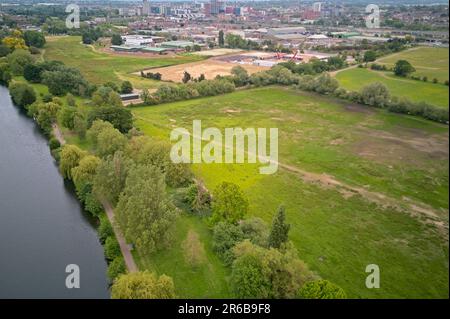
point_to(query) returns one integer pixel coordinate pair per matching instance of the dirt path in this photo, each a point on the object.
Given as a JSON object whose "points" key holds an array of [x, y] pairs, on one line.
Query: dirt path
{"points": [[124, 248], [126, 253]]}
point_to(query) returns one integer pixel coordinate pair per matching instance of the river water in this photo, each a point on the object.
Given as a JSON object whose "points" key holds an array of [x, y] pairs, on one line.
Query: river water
{"points": [[42, 226]]}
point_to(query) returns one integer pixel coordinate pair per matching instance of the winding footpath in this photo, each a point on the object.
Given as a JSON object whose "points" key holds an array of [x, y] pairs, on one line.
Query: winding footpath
{"points": [[124, 247]]}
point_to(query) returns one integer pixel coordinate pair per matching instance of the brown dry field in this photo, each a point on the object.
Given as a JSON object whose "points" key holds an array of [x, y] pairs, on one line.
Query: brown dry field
{"points": [[210, 68]]}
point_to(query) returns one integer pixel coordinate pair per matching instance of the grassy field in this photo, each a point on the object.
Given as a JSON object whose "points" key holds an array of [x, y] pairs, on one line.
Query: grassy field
{"points": [[430, 62], [352, 180], [100, 67], [355, 78]]}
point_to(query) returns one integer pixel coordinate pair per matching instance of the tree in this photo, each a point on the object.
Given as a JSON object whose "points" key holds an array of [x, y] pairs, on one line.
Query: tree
{"points": [[375, 94], [279, 230], [110, 177], [370, 56], [221, 39], [109, 141], [186, 77], [403, 68], [46, 115], [18, 60], [114, 100], [33, 73], [15, 41], [70, 100], [121, 118], [4, 50], [143, 285], [67, 116], [80, 125], [144, 210], [229, 203], [240, 74], [225, 237], [22, 94], [70, 158], [112, 248], [126, 87], [104, 229], [116, 39], [96, 128], [5, 74], [321, 289], [85, 171], [116, 267], [147, 151], [34, 39], [258, 272]]}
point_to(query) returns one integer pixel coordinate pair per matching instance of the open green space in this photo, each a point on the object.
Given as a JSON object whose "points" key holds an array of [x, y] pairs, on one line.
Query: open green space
{"points": [[428, 61], [354, 79], [99, 67], [337, 233]]}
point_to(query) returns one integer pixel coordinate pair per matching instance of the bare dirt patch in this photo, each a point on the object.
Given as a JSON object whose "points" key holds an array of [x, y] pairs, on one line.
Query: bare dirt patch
{"points": [[210, 68]]}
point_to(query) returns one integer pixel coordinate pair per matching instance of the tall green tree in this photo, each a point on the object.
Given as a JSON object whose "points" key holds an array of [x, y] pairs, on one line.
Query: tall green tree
{"points": [[221, 39], [70, 158], [279, 230], [144, 210]]}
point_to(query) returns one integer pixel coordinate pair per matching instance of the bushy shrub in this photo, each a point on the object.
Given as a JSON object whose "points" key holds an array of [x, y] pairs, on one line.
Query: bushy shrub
{"points": [[105, 229], [116, 267], [112, 248], [321, 289]]}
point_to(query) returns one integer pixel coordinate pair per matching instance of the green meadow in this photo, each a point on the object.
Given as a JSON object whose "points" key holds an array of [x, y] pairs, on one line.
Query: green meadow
{"points": [[428, 61], [354, 79], [100, 67], [352, 180]]}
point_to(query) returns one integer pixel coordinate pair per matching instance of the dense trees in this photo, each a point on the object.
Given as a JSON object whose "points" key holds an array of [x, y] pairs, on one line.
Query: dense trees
{"points": [[70, 158], [121, 118], [403, 68], [144, 211], [321, 289], [17, 61], [259, 272], [146, 151], [33, 73], [116, 39], [34, 39], [143, 285], [229, 203], [369, 56], [62, 80], [22, 94]]}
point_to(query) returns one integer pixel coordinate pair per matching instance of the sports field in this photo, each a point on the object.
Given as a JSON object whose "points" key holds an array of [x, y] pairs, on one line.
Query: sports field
{"points": [[354, 79], [428, 61], [100, 67], [351, 179]]}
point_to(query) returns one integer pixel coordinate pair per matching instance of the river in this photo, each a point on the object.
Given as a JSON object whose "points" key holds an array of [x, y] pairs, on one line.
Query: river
{"points": [[42, 226]]}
